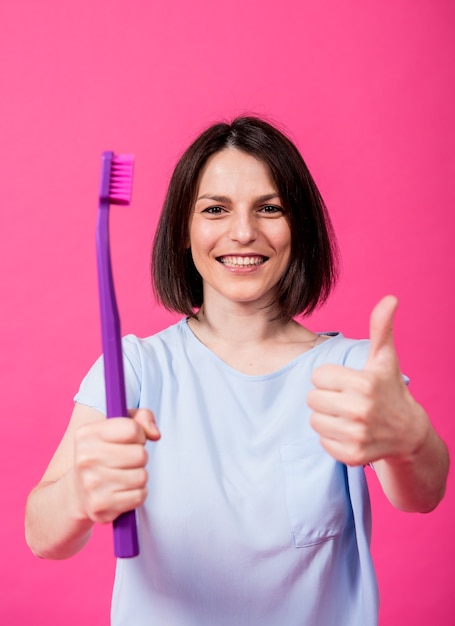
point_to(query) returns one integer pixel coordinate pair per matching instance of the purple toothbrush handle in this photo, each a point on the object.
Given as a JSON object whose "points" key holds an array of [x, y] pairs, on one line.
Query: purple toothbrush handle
{"points": [[125, 530], [126, 543]]}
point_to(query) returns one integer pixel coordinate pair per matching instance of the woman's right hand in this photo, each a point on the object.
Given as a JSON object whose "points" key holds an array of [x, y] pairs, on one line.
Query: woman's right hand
{"points": [[97, 472], [110, 465]]}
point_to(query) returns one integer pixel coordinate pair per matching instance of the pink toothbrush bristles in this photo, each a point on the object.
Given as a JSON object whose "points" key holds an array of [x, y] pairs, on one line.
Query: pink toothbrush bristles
{"points": [[121, 179]]}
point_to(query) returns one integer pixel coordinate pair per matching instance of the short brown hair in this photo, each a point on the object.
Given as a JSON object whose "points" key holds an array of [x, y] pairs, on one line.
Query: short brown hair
{"points": [[312, 270]]}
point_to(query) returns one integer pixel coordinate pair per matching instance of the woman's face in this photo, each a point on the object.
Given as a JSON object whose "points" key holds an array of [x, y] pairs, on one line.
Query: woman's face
{"points": [[239, 231]]}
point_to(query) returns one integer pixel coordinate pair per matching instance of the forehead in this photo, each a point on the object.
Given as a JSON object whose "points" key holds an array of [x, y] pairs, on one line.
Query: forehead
{"points": [[234, 170]]}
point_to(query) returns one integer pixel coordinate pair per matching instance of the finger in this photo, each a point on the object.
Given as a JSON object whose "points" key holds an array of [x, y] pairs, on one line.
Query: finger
{"points": [[348, 455], [126, 479], [124, 430], [123, 456], [114, 430], [109, 480], [92, 454], [105, 504], [130, 499], [326, 426], [381, 329], [146, 419], [352, 406], [337, 378], [341, 439]]}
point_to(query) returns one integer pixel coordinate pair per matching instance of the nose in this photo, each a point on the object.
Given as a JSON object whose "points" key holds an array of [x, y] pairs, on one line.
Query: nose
{"points": [[243, 227]]}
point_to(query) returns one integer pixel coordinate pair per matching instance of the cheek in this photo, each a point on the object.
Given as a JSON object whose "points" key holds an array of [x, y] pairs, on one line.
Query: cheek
{"points": [[198, 248], [201, 237], [281, 239], [284, 247]]}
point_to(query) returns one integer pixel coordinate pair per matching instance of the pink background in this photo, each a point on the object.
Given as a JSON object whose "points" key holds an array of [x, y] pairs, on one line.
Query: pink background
{"points": [[366, 89]]}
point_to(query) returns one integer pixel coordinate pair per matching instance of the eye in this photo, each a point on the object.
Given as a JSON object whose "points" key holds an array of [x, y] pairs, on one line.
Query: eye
{"points": [[271, 209], [213, 210]]}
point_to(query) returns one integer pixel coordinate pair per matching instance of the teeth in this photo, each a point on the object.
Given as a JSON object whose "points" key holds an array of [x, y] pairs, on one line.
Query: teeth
{"points": [[241, 261]]}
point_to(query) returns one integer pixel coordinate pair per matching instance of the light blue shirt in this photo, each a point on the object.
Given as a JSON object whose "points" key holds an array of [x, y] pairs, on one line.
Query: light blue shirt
{"points": [[248, 522]]}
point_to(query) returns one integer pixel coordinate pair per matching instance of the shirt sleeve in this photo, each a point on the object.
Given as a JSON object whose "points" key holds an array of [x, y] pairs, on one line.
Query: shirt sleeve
{"points": [[357, 356], [92, 389]]}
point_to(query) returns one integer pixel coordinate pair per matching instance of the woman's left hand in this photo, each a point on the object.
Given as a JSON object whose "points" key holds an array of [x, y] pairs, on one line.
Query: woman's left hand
{"points": [[365, 415]]}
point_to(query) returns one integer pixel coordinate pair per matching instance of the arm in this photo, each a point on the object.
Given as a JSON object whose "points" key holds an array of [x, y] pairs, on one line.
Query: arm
{"points": [[97, 472], [369, 416], [416, 481]]}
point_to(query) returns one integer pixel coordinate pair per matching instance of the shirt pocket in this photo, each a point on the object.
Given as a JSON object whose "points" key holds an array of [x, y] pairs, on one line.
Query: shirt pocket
{"points": [[317, 496]]}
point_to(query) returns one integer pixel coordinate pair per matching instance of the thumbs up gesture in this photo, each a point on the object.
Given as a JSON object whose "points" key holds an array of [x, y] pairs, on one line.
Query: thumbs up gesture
{"points": [[362, 416]]}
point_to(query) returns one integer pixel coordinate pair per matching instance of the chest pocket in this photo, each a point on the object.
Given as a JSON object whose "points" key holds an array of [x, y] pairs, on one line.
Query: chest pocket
{"points": [[317, 496]]}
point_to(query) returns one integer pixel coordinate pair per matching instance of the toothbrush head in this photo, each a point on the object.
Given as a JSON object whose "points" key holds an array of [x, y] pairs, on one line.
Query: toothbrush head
{"points": [[116, 178]]}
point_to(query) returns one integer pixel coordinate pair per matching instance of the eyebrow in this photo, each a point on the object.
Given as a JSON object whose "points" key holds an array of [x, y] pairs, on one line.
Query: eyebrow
{"points": [[217, 198]]}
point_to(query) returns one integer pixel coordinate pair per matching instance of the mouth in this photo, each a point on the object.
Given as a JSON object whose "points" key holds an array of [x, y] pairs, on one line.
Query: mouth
{"points": [[242, 261]]}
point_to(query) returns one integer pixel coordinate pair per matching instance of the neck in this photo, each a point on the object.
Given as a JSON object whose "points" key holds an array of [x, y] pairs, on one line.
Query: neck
{"points": [[239, 325], [251, 341]]}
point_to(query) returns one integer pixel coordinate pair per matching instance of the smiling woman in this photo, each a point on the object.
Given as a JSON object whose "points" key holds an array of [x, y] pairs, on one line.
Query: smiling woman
{"points": [[253, 507], [240, 243], [283, 175]]}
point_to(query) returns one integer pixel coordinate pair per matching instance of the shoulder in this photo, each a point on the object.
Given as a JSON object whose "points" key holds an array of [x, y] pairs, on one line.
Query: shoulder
{"points": [[144, 359], [155, 352], [134, 346], [344, 350]]}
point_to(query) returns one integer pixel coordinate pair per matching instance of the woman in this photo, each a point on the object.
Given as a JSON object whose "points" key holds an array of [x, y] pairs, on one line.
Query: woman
{"points": [[252, 506]]}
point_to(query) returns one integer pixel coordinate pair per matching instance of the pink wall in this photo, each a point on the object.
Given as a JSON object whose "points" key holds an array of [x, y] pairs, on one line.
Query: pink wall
{"points": [[367, 92]]}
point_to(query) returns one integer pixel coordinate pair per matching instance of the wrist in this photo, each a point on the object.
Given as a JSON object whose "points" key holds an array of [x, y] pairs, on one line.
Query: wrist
{"points": [[415, 437]]}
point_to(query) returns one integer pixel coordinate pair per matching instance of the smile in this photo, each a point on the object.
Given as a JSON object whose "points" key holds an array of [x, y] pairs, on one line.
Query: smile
{"points": [[242, 261]]}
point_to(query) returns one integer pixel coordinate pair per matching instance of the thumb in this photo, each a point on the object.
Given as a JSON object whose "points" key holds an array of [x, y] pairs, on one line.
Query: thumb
{"points": [[146, 419], [381, 330]]}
